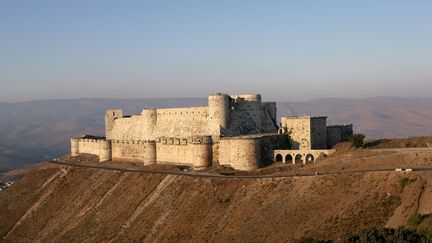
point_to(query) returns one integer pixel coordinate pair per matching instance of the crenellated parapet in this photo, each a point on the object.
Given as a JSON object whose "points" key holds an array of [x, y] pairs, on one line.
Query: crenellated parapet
{"points": [[201, 140], [180, 141], [118, 141], [195, 150]]}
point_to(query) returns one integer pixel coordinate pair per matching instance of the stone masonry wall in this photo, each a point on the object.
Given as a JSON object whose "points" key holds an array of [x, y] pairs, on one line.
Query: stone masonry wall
{"points": [[235, 115], [134, 151], [240, 153], [194, 151], [299, 129], [99, 147], [334, 136], [182, 122], [177, 122], [319, 132]]}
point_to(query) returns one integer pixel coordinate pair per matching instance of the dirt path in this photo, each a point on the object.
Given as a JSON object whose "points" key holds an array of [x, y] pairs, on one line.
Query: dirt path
{"points": [[220, 176]]}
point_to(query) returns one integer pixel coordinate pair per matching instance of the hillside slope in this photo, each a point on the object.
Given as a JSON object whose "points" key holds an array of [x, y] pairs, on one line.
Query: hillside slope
{"points": [[57, 203]]}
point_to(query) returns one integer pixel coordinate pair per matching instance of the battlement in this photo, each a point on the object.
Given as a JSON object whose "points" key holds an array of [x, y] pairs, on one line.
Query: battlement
{"points": [[133, 141], [184, 141]]}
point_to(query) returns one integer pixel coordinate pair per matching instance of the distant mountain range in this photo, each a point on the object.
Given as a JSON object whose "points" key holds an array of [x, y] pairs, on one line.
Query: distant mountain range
{"points": [[37, 130]]}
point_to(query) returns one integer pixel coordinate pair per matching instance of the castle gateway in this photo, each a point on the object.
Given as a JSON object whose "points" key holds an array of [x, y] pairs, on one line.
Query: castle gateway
{"points": [[239, 131]]}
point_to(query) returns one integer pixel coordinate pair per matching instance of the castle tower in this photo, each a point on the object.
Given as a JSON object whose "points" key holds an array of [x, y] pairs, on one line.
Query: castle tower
{"points": [[110, 116], [74, 146], [149, 117], [219, 113], [105, 150], [202, 151], [150, 152]]}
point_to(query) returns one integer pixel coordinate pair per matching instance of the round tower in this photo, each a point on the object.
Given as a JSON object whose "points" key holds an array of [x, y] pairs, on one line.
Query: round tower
{"points": [[149, 117], [74, 146], [219, 113], [150, 152], [202, 152], [105, 153]]}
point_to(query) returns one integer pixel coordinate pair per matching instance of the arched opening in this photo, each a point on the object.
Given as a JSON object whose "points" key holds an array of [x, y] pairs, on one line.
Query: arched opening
{"points": [[288, 159], [299, 159], [279, 158], [310, 158]]}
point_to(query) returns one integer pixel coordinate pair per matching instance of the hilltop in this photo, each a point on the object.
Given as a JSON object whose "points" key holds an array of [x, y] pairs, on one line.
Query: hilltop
{"points": [[63, 203]]}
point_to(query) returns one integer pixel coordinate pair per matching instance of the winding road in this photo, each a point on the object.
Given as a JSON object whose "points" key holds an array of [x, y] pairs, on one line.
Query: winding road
{"points": [[221, 176]]}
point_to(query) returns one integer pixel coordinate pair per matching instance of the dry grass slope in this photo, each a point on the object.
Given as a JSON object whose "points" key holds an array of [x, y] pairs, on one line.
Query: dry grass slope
{"points": [[56, 203]]}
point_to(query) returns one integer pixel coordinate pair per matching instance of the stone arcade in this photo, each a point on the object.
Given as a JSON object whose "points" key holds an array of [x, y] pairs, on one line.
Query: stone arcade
{"points": [[239, 131]]}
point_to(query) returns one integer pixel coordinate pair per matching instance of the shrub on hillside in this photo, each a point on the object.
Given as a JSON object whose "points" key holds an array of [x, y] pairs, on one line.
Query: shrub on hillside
{"points": [[415, 219], [357, 140], [376, 235], [387, 235], [406, 181]]}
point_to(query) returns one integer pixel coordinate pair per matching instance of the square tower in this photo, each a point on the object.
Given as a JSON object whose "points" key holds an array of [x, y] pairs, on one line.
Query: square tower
{"points": [[306, 132]]}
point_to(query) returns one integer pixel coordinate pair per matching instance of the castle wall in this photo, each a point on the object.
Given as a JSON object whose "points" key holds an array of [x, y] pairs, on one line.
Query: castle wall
{"points": [[338, 133], [299, 129], [182, 122], [319, 133], [269, 120], [270, 143], [347, 132], [226, 115], [306, 132], [134, 151], [230, 130], [152, 123], [241, 153], [99, 147], [334, 136], [129, 128], [195, 151], [250, 116]]}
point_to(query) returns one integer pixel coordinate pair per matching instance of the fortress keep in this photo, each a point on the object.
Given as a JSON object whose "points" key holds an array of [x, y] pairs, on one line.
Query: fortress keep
{"points": [[239, 131]]}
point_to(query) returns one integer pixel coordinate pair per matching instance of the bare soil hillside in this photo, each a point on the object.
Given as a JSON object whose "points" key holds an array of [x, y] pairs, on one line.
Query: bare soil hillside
{"points": [[69, 204]]}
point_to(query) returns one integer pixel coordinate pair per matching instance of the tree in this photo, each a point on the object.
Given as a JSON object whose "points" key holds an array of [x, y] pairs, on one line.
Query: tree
{"points": [[357, 140]]}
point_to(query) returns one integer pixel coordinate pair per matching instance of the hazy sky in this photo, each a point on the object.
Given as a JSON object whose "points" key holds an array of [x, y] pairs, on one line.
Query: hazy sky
{"points": [[286, 50]]}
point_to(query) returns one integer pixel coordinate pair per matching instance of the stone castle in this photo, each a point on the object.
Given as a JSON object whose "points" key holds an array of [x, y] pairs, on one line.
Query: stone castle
{"points": [[239, 131]]}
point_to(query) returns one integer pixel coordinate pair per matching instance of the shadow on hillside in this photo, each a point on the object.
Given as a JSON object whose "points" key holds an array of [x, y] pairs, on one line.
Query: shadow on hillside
{"points": [[375, 143]]}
